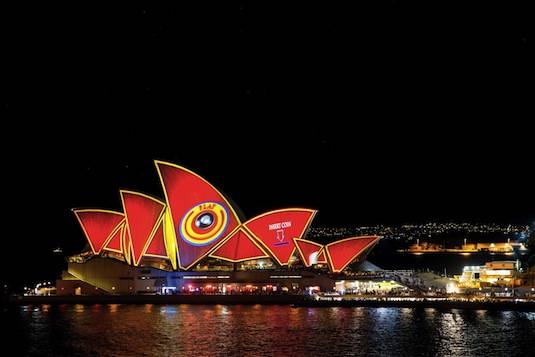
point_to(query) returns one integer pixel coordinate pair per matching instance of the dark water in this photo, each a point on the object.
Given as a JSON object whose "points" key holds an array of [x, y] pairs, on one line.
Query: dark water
{"points": [[187, 330]]}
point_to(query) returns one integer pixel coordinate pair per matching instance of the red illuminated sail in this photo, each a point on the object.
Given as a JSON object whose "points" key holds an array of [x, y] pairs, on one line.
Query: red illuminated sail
{"points": [[143, 214], [321, 257], [239, 247], [157, 245], [98, 226], [115, 242], [127, 245], [201, 216], [276, 230], [308, 251], [340, 254]]}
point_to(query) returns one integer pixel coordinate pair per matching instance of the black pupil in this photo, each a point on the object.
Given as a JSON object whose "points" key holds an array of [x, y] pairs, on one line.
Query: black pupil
{"points": [[205, 220]]}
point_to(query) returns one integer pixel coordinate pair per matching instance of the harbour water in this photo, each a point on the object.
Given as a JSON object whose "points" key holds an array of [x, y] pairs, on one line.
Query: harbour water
{"points": [[258, 330]]}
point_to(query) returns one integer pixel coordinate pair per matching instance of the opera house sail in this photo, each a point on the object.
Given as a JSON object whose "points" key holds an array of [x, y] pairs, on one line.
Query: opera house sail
{"points": [[194, 233]]}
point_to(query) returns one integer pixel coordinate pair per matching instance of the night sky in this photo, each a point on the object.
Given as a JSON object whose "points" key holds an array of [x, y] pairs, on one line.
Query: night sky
{"points": [[384, 112]]}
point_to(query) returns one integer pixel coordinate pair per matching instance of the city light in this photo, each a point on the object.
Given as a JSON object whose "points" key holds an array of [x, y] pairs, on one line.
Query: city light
{"points": [[451, 289]]}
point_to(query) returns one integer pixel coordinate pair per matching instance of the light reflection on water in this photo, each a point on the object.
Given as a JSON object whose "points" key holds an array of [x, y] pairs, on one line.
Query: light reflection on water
{"points": [[220, 330]]}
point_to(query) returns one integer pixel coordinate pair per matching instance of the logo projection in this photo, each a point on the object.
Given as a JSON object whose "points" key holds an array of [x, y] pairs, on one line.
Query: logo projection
{"points": [[204, 223]]}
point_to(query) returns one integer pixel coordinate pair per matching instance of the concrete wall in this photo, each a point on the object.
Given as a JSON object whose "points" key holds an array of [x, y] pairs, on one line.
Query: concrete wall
{"points": [[76, 287], [114, 277]]}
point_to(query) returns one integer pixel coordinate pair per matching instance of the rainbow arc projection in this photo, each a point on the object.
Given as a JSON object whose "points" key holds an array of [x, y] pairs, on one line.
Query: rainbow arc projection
{"points": [[196, 221]]}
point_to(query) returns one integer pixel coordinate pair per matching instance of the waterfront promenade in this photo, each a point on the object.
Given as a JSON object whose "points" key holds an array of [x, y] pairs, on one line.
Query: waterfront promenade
{"points": [[509, 304]]}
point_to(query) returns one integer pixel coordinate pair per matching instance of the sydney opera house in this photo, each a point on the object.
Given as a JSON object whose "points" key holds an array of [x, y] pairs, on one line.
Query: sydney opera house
{"points": [[194, 241]]}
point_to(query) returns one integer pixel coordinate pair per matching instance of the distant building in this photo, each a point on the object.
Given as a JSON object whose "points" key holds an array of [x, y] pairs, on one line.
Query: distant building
{"points": [[495, 273], [367, 286]]}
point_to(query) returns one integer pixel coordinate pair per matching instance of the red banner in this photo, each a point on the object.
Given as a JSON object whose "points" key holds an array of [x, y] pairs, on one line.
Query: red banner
{"points": [[276, 230], [201, 215]]}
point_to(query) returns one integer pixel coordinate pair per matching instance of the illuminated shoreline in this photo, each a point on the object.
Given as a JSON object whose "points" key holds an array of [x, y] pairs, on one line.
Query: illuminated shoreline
{"points": [[513, 304], [455, 251], [420, 302]]}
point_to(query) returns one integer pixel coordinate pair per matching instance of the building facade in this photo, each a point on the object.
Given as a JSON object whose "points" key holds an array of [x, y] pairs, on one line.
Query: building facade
{"points": [[194, 241]]}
